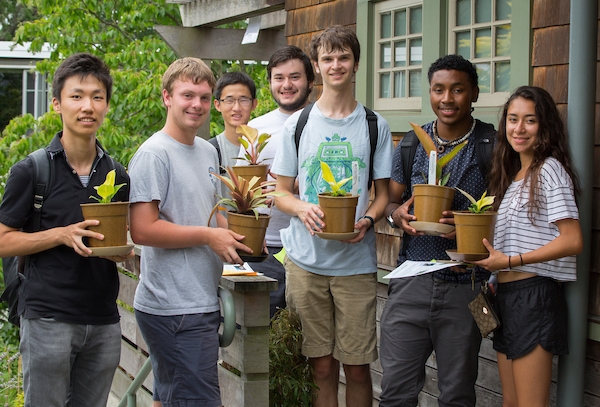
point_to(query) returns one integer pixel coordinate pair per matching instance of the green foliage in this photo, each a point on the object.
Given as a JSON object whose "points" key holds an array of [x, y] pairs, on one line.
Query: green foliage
{"points": [[11, 379], [291, 381], [12, 14]]}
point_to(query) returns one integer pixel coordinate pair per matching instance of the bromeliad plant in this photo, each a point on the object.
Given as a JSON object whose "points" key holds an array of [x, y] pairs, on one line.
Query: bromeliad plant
{"points": [[107, 190], [335, 186], [246, 196], [482, 205], [249, 137], [429, 146]]}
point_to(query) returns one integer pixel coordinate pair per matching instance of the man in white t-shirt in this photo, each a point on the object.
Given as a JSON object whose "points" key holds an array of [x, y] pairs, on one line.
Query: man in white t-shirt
{"points": [[291, 77]]}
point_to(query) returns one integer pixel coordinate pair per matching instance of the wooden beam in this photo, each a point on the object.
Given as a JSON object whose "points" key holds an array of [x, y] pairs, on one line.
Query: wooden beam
{"points": [[217, 12], [220, 43]]}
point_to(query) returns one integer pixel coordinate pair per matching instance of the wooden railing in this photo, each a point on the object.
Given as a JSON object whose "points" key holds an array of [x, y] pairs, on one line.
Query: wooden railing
{"points": [[244, 365]]}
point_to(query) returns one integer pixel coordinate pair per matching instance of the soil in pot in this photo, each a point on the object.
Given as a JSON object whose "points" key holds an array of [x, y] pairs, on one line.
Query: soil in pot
{"points": [[472, 228], [340, 212], [253, 229], [431, 201], [113, 222], [249, 171]]}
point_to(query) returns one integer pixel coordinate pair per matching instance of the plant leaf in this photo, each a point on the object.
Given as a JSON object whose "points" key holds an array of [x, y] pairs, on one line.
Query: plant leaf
{"points": [[446, 159], [249, 132], [424, 138], [326, 173], [469, 197]]}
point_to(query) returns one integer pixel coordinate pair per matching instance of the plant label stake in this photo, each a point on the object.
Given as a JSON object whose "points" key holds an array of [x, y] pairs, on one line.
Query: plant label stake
{"points": [[354, 177], [432, 168]]}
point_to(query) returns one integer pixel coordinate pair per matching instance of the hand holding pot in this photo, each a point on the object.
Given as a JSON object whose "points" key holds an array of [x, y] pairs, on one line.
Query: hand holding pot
{"points": [[448, 219], [496, 260], [402, 217]]}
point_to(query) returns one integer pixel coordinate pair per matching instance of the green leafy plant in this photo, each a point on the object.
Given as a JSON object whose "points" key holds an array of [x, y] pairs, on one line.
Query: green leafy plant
{"points": [[429, 146], [480, 206], [249, 136], [246, 196], [291, 382], [335, 186], [107, 190]]}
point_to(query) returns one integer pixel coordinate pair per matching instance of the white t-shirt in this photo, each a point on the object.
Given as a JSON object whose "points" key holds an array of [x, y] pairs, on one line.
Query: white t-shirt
{"points": [[340, 143], [178, 176], [516, 235], [270, 123]]}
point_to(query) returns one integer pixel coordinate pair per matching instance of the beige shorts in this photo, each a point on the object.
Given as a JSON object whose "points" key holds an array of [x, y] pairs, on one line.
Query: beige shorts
{"points": [[337, 314]]}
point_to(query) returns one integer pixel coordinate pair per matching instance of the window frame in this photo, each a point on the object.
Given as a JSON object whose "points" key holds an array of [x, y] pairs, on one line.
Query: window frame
{"points": [[435, 44]]}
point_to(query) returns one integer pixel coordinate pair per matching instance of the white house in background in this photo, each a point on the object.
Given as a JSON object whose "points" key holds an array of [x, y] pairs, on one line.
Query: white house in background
{"points": [[18, 59]]}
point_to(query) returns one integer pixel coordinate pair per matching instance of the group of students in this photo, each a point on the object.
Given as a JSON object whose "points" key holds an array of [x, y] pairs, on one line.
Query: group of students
{"points": [[70, 335]]}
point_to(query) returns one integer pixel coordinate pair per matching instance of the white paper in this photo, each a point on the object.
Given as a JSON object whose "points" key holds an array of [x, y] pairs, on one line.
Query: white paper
{"points": [[251, 34], [236, 267], [415, 268]]}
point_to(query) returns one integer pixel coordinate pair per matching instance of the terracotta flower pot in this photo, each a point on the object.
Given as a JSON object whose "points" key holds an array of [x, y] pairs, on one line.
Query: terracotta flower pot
{"points": [[113, 218], [472, 228], [431, 201], [249, 171], [253, 229], [340, 212]]}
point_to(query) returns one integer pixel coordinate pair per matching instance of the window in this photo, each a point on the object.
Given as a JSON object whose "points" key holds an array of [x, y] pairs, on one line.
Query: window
{"points": [[399, 55], [480, 31], [404, 37], [35, 93]]}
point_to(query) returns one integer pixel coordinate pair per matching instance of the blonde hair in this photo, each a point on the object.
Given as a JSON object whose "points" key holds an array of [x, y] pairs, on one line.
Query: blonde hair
{"points": [[188, 68]]}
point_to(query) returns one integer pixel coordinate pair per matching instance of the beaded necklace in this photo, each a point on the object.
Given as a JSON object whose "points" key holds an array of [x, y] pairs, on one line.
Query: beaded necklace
{"points": [[441, 144]]}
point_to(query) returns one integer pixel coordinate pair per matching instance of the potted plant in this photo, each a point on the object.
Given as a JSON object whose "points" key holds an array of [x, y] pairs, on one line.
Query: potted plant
{"points": [[112, 217], [243, 217], [475, 224], [338, 206], [253, 144], [433, 197]]}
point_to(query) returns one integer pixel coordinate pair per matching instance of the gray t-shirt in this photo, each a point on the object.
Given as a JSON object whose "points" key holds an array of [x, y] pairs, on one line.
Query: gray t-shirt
{"points": [[177, 281], [341, 143], [229, 151]]}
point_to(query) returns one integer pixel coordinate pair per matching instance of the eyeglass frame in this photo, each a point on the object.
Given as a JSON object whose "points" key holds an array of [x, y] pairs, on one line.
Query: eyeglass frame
{"points": [[243, 101]]}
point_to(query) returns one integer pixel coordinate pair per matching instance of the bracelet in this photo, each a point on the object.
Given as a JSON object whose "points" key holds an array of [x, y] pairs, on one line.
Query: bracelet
{"points": [[370, 218], [521, 257], [509, 266]]}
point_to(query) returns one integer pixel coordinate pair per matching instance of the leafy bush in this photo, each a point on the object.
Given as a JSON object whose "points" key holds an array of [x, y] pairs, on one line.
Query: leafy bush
{"points": [[291, 381]]}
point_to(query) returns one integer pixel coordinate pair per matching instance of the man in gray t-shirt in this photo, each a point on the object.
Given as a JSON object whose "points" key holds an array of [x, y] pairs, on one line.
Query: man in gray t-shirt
{"points": [[182, 258]]}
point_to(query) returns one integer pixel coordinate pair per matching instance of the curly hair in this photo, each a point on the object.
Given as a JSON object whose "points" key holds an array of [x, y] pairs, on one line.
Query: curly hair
{"points": [[457, 63], [551, 142]]}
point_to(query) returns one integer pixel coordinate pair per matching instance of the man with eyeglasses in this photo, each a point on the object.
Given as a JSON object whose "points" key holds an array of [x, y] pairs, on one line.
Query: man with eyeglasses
{"points": [[235, 98], [291, 77]]}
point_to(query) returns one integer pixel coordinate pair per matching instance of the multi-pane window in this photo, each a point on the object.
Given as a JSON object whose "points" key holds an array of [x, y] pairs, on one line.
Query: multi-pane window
{"points": [[480, 31], [400, 52]]}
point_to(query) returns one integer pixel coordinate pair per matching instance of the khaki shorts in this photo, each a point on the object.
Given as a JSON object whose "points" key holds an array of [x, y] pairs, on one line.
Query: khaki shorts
{"points": [[337, 314]]}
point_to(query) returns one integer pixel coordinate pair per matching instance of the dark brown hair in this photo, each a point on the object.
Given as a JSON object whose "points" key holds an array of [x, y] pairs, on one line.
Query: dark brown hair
{"points": [[551, 142], [335, 38]]}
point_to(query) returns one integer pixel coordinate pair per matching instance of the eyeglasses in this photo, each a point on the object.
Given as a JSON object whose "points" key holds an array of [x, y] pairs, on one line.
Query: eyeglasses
{"points": [[243, 101]]}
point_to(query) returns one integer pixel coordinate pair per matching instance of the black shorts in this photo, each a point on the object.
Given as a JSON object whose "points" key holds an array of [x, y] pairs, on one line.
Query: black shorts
{"points": [[532, 311]]}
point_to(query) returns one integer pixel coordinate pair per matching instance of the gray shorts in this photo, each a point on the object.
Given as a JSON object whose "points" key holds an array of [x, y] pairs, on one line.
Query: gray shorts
{"points": [[184, 351]]}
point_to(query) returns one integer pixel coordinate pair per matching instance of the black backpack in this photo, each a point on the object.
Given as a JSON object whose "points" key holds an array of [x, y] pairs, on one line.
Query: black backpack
{"points": [[373, 133], [14, 267]]}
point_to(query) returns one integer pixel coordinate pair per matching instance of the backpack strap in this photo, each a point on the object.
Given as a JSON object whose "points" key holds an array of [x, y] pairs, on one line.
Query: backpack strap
{"points": [[373, 133], [301, 124], [373, 136], [483, 149], [43, 180], [408, 149], [215, 144]]}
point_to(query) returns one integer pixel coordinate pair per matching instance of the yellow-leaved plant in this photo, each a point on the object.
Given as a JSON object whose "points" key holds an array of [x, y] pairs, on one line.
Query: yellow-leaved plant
{"points": [[107, 190], [429, 146], [249, 136], [335, 186], [483, 204]]}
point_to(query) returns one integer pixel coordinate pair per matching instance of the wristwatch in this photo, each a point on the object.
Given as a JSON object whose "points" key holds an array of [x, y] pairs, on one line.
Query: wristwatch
{"points": [[390, 219]]}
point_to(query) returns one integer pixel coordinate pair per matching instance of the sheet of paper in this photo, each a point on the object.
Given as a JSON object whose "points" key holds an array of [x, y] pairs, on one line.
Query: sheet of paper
{"points": [[251, 34], [238, 270], [415, 268]]}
